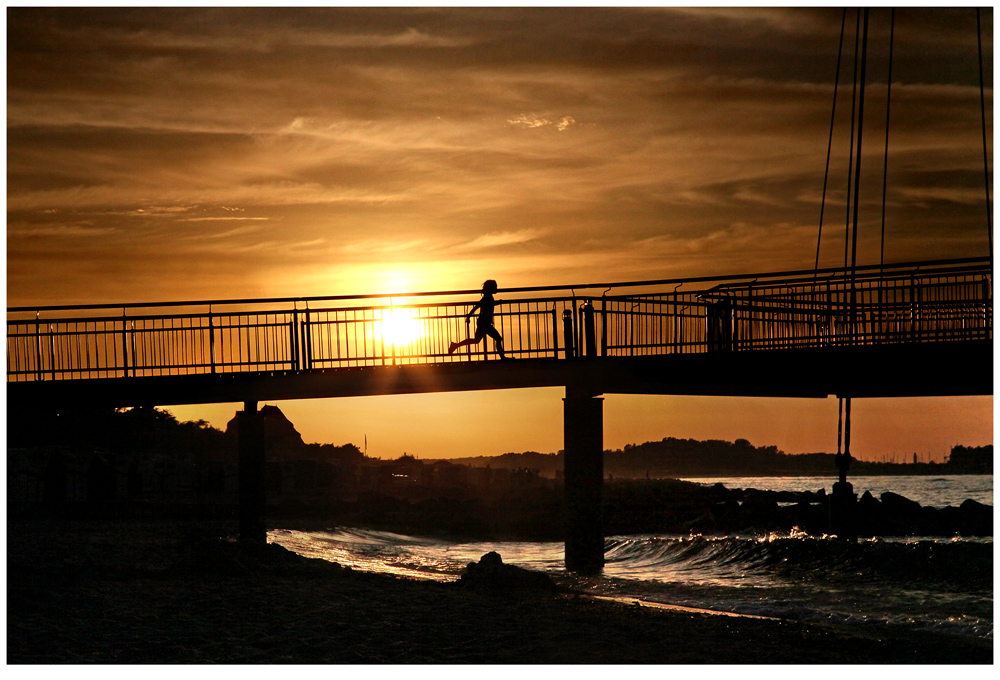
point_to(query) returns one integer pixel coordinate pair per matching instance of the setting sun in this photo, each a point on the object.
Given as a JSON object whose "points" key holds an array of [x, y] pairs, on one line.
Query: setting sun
{"points": [[400, 327]]}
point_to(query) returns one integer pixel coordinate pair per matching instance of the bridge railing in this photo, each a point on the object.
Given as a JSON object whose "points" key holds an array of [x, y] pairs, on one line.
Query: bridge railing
{"points": [[64, 348], [348, 337], [837, 309], [921, 302]]}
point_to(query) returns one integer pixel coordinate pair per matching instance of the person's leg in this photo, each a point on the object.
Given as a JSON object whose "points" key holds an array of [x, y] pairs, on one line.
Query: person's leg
{"points": [[468, 341], [497, 340]]}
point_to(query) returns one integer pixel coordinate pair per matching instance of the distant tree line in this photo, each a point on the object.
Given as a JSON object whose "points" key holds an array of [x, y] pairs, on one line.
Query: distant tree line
{"points": [[146, 430], [976, 460], [674, 458], [156, 431]]}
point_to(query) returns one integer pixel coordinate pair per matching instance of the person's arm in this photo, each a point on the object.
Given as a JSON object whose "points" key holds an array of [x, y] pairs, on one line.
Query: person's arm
{"points": [[473, 310]]}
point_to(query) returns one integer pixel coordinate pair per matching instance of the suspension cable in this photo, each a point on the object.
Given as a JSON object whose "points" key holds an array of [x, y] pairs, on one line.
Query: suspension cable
{"points": [[857, 185], [885, 166], [829, 145], [857, 168], [850, 162], [986, 160]]}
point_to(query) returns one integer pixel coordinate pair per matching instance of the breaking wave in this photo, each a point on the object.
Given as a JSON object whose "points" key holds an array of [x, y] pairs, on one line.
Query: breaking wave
{"points": [[933, 584]]}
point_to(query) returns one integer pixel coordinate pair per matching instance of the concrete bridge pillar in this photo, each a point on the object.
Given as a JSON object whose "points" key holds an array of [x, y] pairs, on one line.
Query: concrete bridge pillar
{"points": [[583, 474], [251, 474]]}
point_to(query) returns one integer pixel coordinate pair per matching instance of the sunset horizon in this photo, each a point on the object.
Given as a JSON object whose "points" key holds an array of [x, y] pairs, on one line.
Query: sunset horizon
{"points": [[283, 283], [228, 153]]}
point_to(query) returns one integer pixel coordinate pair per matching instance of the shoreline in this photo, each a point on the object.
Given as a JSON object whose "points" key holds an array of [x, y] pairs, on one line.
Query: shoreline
{"points": [[180, 592]]}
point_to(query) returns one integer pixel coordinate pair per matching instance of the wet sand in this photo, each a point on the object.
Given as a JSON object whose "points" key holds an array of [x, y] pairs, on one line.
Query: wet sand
{"points": [[171, 592]]}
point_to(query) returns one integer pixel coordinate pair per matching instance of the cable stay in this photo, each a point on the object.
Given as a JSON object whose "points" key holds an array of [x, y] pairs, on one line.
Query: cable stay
{"points": [[986, 158], [843, 497]]}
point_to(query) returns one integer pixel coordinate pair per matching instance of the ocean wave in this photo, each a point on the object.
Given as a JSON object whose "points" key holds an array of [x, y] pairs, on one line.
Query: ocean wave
{"points": [[961, 564], [930, 584]]}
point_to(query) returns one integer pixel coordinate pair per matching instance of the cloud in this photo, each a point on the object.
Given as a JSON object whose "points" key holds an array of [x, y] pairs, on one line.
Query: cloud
{"points": [[411, 37], [429, 136], [381, 247], [531, 120], [224, 219], [59, 231], [500, 239]]}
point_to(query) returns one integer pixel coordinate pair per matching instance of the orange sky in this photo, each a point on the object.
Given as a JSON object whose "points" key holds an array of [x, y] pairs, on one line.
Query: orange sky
{"points": [[171, 154]]}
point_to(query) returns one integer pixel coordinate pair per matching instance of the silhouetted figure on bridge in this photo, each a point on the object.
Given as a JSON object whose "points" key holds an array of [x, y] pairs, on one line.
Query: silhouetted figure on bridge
{"points": [[720, 325], [484, 322]]}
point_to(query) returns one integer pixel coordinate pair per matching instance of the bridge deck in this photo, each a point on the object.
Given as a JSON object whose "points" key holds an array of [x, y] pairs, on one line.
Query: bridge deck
{"points": [[913, 329], [939, 369]]}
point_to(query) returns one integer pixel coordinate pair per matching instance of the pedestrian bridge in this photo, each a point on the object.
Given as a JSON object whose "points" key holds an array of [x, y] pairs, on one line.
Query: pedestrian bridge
{"points": [[914, 329]]}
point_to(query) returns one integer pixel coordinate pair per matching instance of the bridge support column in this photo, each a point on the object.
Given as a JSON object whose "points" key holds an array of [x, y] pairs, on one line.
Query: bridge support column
{"points": [[843, 500], [251, 475], [583, 474], [843, 511]]}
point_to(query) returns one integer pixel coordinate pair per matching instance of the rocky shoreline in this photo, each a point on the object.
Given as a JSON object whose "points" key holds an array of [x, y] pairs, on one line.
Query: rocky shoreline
{"points": [[665, 506], [722, 510], [184, 592]]}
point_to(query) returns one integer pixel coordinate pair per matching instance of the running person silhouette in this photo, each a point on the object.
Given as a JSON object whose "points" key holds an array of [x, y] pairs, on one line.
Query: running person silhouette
{"points": [[484, 323]]}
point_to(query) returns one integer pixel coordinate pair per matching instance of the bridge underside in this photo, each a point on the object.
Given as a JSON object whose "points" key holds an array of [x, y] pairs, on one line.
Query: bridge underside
{"points": [[919, 370]]}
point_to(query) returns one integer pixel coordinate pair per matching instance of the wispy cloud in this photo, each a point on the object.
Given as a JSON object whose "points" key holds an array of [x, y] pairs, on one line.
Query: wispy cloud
{"points": [[578, 142], [499, 239], [531, 120], [224, 219], [382, 247], [59, 231]]}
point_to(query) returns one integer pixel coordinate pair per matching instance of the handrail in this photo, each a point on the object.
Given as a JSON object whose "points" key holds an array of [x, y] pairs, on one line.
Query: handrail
{"points": [[772, 276]]}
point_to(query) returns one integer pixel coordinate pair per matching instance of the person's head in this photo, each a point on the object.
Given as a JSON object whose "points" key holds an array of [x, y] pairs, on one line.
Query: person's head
{"points": [[489, 286]]}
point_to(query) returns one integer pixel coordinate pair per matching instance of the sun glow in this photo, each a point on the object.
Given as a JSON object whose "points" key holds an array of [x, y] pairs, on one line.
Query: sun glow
{"points": [[400, 327]]}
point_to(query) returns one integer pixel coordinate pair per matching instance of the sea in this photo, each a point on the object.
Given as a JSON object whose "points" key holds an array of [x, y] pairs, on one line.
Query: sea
{"points": [[942, 584]]}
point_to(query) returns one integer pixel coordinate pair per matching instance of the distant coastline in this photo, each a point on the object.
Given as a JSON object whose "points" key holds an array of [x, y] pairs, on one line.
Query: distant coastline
{"points": [[144, 463], [680, 458], [141, 435]]}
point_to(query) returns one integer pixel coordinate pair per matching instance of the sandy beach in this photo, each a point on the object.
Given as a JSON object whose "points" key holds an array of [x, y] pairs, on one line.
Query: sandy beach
{"points": [[175, 592]]}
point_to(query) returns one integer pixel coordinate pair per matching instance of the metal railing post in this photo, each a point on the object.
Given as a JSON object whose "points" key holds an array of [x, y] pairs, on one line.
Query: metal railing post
{"points": [[577, 330], [589, 330], [38, 347], [52, 352], [294, 336], [124, 344], [211, 339], [568, 333], [307, 342], [555, 333], [134, 360], [604, 325]]}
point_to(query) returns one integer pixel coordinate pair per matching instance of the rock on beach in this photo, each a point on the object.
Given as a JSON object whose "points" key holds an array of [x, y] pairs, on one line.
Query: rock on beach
{"points": [[492, 575]]}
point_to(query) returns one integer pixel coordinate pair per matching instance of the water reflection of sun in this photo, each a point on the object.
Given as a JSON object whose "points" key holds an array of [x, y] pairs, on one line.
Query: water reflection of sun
{"points": [[400, 327]]}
